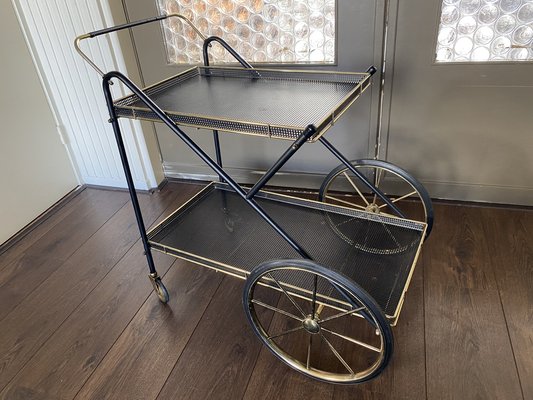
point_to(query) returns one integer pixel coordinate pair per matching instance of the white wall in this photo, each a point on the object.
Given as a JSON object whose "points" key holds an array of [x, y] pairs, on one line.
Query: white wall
{"points": [[35, 170]]}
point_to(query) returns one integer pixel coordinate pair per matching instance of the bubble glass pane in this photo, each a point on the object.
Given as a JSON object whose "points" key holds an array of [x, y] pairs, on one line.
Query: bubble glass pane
{"points": [[485, 31], [262, 31]]}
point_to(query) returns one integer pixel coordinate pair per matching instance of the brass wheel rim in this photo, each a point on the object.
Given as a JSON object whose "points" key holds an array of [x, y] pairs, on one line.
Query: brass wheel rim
{"points": [[317, 329]]}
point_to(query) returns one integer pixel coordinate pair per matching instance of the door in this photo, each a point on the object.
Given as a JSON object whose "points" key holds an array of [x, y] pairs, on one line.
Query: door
{"points": [[359, 27], [465, 128]]}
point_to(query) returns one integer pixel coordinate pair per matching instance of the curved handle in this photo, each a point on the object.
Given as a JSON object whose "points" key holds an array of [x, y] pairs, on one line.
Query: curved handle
{"points": [[237, 56], [126, 26]]}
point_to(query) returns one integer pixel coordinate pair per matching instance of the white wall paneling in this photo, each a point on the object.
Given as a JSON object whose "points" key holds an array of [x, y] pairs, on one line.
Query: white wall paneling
{"points": [[75, 90]]}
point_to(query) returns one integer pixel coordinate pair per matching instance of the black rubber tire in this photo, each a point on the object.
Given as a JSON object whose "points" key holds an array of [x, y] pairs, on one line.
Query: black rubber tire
{"points": [[424, 195], [351, 289]]}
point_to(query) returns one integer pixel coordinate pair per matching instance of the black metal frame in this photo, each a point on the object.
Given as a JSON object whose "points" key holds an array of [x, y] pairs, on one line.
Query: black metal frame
{"points": [[247, 196], [242, 61]]}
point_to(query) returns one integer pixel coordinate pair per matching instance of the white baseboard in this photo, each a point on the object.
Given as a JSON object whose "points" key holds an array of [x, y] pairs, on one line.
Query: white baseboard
{"points": [[116, 183], [243, 176], [480, 193]]}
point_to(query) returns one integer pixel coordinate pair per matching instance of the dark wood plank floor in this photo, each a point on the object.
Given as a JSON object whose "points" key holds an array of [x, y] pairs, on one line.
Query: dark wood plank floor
{"points": [[79, 320]]}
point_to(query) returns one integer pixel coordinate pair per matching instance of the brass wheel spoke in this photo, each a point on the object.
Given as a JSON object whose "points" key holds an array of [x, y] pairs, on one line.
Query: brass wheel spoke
{"points": [[289, 297], [308, 362], [387, 214], [400, 198], [285, 332], [348, 203], [377, 181], [319, 310], [275, 309], [313, 302], [337, 354], [352, 340], [345, 222], [355, 187], [386, 228], [342, 314]]}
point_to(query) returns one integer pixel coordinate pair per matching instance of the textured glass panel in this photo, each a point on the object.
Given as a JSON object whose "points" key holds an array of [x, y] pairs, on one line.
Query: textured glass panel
{"points": [[485, 30], [276, 31]]}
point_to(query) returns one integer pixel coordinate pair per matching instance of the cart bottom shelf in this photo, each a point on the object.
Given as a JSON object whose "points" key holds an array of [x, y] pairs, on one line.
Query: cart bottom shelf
{"points": [[218, 229]]}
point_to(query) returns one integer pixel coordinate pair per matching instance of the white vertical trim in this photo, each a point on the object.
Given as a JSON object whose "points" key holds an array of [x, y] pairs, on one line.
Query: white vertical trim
{"points": [[135, 126], [74, 90]]}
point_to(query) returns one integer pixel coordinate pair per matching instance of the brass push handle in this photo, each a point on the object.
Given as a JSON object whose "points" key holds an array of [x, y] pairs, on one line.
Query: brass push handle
{"points": [[126, 26]]}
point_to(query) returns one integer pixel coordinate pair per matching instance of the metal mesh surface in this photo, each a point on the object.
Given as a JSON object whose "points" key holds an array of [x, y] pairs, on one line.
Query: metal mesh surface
{"points": [[219, 229], [272, 103]]}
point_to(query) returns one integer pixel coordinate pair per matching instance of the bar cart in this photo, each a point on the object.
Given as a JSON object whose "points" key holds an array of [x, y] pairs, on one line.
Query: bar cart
{"points": [[340, 266]]}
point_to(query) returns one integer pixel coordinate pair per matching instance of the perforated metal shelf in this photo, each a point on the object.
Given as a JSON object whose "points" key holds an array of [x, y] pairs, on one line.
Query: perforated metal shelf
{"points": [[217, 229], [274, 103]]}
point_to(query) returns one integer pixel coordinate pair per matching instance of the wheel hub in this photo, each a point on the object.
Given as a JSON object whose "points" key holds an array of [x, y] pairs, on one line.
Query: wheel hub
{"points": [[373, 208], [311, 325]]}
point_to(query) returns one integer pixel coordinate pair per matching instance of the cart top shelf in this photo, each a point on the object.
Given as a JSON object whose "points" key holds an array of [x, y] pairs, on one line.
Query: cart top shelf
{"points": [[265, 102]]}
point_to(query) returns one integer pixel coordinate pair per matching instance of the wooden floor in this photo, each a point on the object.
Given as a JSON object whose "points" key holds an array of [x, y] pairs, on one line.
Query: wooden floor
{"points": [[78, 317]]}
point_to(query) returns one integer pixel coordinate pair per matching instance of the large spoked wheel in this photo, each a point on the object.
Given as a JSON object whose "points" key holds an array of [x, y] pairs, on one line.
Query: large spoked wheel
{"points": [[322, 324], [342, 187]]}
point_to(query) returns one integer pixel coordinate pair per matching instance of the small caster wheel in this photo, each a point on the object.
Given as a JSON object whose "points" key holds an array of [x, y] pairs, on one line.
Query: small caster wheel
{"points": [[160, 289]]}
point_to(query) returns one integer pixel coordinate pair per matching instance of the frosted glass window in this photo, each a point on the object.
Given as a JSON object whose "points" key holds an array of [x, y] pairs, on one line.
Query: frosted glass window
{"points": [[485, 30], [275, 31]]}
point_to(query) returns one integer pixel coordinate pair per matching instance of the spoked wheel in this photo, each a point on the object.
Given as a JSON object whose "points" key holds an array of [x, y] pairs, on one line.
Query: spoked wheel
{"points": [[342, 187], [159, 288], [322, 324]]}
